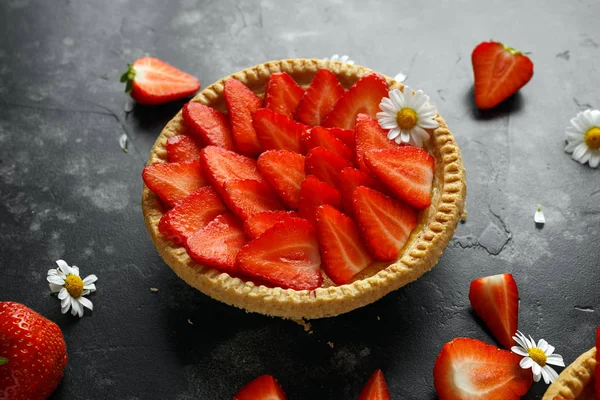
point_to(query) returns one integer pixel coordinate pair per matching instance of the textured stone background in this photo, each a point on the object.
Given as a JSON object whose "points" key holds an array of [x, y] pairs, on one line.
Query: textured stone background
{"points": [[68, 191]]}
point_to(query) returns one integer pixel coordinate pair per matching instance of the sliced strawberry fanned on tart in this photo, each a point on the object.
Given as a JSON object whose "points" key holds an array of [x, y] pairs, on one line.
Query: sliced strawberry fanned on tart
{"points": [[304, 191]]}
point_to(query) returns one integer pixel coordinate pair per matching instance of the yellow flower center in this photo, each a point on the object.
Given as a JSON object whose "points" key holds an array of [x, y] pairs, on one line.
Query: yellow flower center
{"points": [[592, 138], [538, 356], [407, 118], [74, 285]]}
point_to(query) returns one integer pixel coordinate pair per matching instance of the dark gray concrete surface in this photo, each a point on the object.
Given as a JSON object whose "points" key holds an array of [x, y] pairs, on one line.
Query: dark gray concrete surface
{"points": [[67, 190]]}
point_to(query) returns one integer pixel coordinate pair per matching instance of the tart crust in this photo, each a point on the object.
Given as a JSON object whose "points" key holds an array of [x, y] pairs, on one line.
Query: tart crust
{"points": [[428, 241], [577, 380]]}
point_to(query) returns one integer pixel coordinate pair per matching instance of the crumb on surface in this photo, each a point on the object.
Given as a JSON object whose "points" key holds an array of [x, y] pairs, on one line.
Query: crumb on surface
{"points": [[378, 318], [330, 344], [463, 217], [190, 322], [305, 324], [153, 289]]}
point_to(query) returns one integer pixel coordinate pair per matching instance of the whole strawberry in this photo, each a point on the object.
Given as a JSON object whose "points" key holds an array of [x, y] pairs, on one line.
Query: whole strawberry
{"points": [[33, 353]]}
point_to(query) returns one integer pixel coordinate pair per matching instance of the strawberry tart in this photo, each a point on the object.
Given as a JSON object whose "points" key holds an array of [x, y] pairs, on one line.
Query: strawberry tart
{"points": [[278, 190]]}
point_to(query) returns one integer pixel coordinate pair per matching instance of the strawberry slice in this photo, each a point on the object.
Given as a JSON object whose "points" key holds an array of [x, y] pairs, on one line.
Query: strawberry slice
{"points": [[191, 214], [342, 252], [471, 369], [319, 99], [286, 255], [256, 224], [222, 165], [350, 179], [325, 165], [241, 104], [283, 94], [345, 135], [407, 171], [385, 223], [284, 171], [375, 388], [496, 300], [245, 197], [500, 71], [218, 243], [151, 81], [322, 137], [209, 125], [363, 97], [278, 132], [597, 372], [370, 136], [262, 388], [173, 182], [182, 148], [314, 193]]}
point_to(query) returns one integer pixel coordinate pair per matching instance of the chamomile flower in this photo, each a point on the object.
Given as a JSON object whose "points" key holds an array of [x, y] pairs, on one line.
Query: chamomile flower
{"points": [[583, 138], [344, 58], [407, 115], [71, 289], [537, 357]]}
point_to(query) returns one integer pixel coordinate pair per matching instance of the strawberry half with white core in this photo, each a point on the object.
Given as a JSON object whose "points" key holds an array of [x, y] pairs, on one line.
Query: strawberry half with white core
{"points": [[469, 369], [496, 300], [151, 81]]}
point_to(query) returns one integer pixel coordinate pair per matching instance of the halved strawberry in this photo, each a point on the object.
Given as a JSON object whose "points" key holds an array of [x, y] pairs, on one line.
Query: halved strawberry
{"points": [[496, 300], [218, 243], [256, 224], [375, 388], [151, 81], [597, 374], [284, 171], [500, 71], [191, 214], [319, 99], [221, 165], [471, 369], [345, 135], [363, 97], [286, 255], [322, 137], [182, 148], [325, 165], [314, 193], [173, 182], [283, 94], [245, 197], [278, 132], [350, 179], [241, 104], [407, 171], [343, 254], [262, 388], [209, 125], [370, 136], [385, 223]]}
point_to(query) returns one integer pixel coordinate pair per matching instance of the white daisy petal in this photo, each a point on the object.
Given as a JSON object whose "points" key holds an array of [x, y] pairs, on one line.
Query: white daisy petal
{"points": [[594, 161], [408, 96], [393, 133], [419, 100], [64, 309], [518, 350], [572, 145], [546, 376], [388, 108], [397, 98], [579, 151], [526, 362], [75, 270], [75, 306], [577, 124], [62, 264], [52, 272], [428, 123], [62, 294], [423, 135], [86, 303], [587, 120], [536, 368], [404, 137], [55, 279], [586, 156], [542, 345], [551, 372], [387, 124], [66, 302], [536, 377], [91, 287], [66, 269], [55, 288], [518, 338], [549, 350], [555, 359], [90, 279]]}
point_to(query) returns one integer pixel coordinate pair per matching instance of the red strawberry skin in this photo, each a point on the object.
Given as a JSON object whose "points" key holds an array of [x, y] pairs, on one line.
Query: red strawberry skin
{"points": [[406, 171], [363, 97], [319, 99], [278, 132], [314, 193], [153, 81], [245, 197], [173, 182], [343, 254], [191, 214], [182, 148], [350, 179], [471, 369], [284, 171], [242, 103], [375, 388], [385, 223], [262, 388], [218, 243], [322, 137], [36, 352], [256, 224], [221, 165], [370, 136], [500, 71], [210, 126], [496, 300], [283, 94], [325, 165], [286, 255]]}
